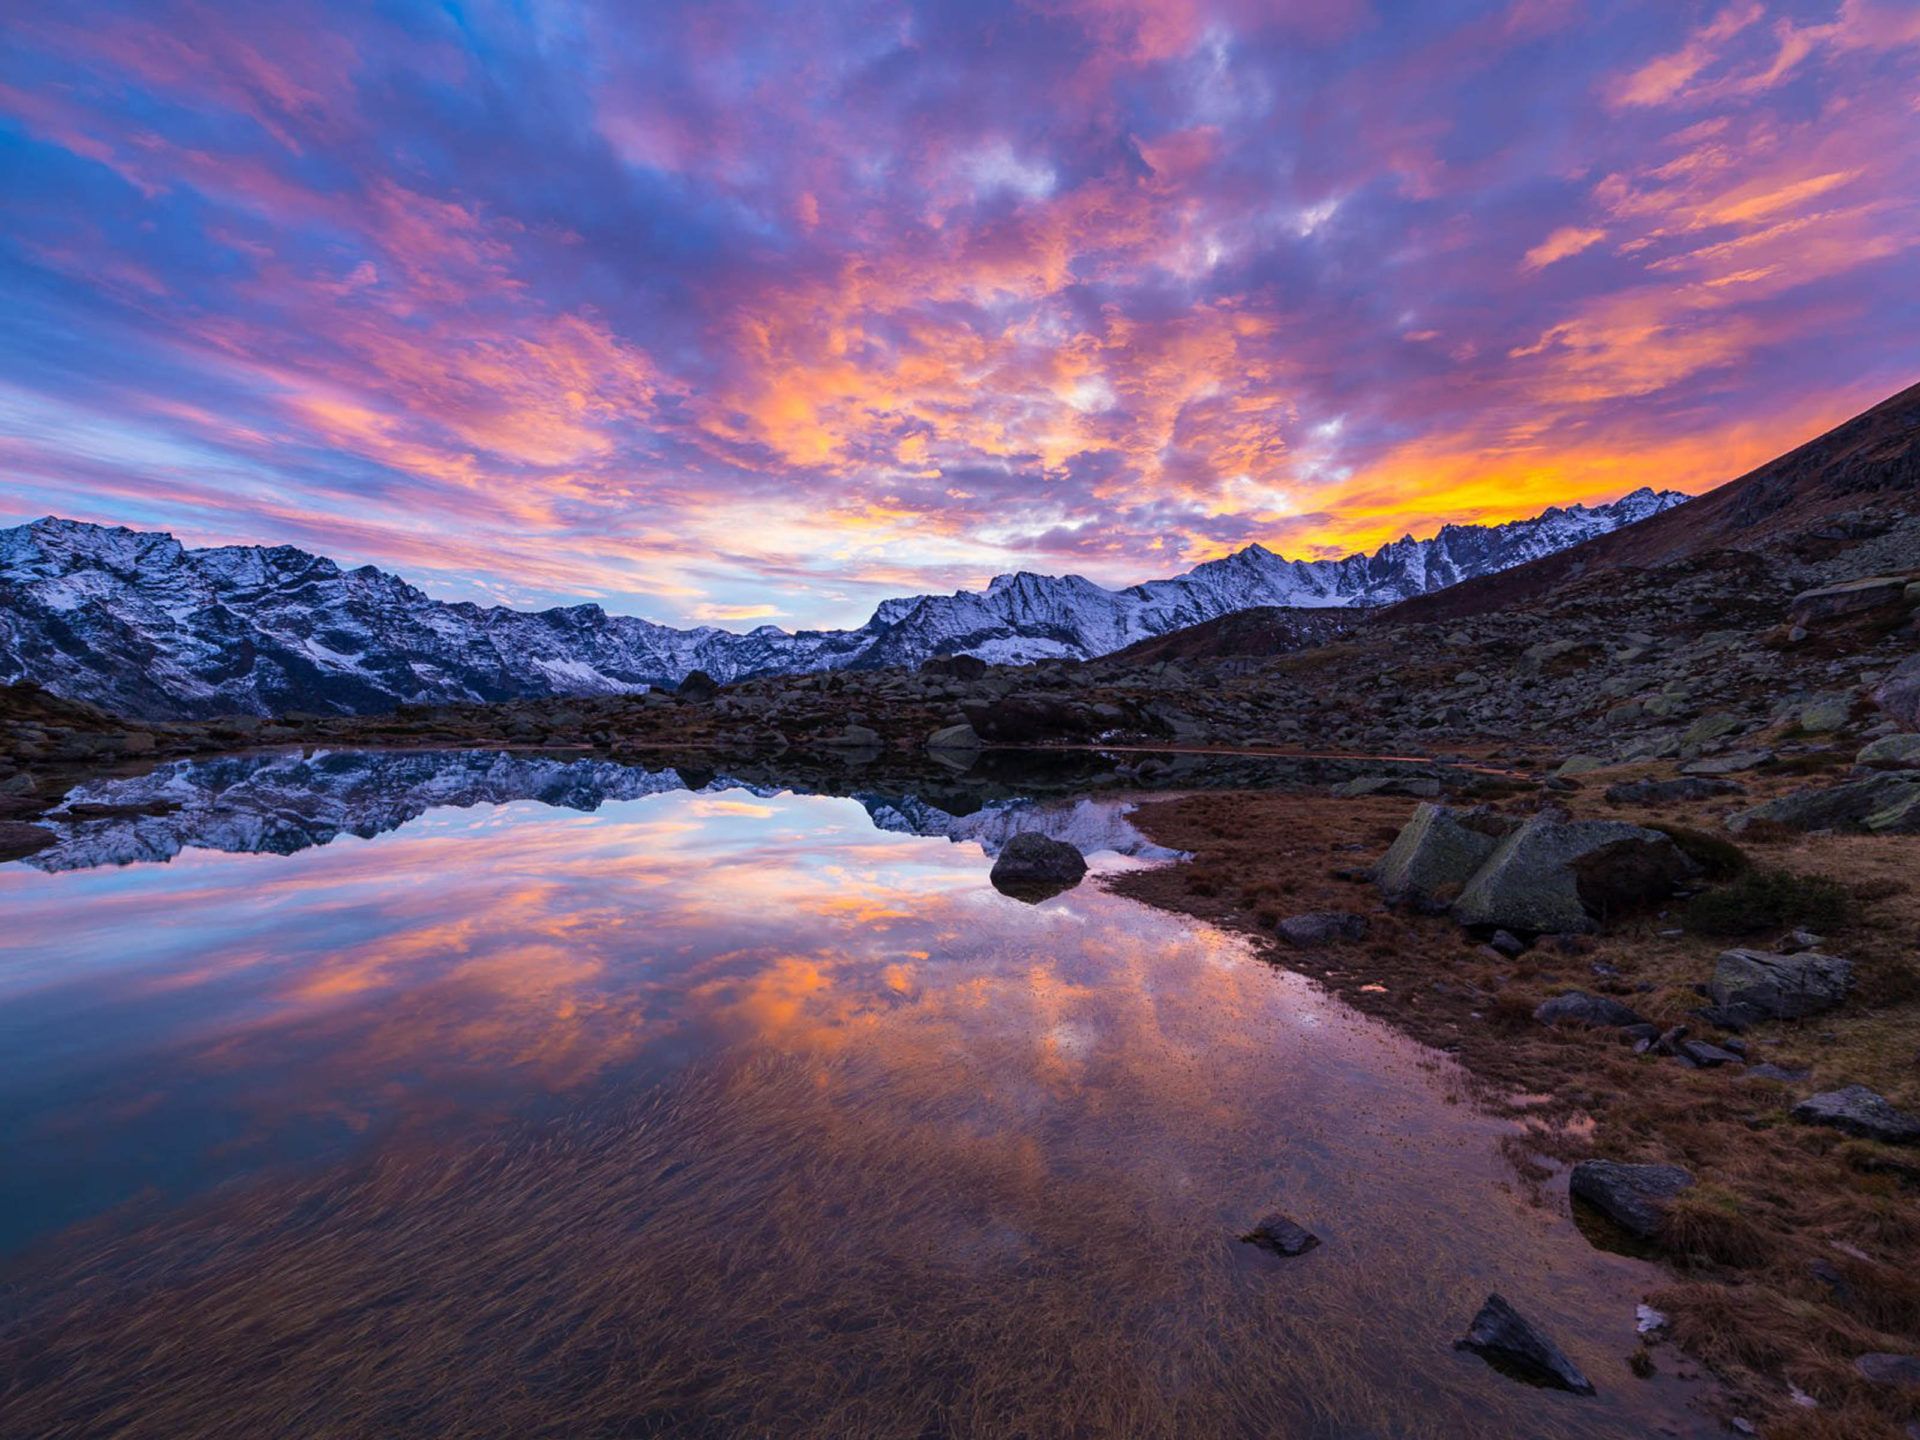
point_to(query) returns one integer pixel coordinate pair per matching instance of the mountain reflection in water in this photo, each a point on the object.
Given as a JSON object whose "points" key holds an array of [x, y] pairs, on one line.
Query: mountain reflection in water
{"points": [[718, 1112], [285, 803]]}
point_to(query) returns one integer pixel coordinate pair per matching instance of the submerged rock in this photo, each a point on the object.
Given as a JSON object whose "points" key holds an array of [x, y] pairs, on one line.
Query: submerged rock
{"points": [[1755, 985], [1030, 863], [1856, 1110], [1280, 1235], [1500, 1336], [1634, 1197], [1578, 1007], [1563, 875], [1322, 927]]}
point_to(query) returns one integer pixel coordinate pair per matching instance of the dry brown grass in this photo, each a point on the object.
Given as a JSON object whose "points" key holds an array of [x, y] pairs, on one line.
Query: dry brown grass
{"points": [[1776, 1197]]}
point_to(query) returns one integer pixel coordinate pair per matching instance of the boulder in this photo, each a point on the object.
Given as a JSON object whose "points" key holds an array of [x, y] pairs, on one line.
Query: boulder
{"points": [[1852, 598], [1634, 1197], [1704, 1056], [1667, 792], [1581, 765], [1730, 764], [1280, 1235], [1899, 694], [1563, 875], [1435, 854], [1891, 752], [1882, 1368], [1321, 927], [698, 685], [1901, 816], [855, 737], [1423, 787], [1500, 1336], [1856, 1110], [955, 667], [1708, 728], [1757, 985], [1847, 807], [1825, 715], [1031, 861], [954, 737], [1029, 719], [1577, 1007]]}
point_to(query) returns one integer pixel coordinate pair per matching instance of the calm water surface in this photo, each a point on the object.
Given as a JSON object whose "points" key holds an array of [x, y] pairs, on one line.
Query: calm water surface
{"points": [[474, 1094]]}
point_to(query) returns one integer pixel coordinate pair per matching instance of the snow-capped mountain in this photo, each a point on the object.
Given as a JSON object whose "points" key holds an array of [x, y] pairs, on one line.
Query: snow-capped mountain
{"points": [[137, 623]]}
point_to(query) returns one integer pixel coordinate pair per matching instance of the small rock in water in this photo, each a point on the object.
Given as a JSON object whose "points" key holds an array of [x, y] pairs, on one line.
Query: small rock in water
{"points": [[1031, 862], [1634, 1197], [1280, 1235], [1506, 1341], [1856, 1110]]}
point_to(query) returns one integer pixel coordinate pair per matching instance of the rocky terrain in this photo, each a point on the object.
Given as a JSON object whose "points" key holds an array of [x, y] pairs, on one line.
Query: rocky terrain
{"points": [[144, 626]]}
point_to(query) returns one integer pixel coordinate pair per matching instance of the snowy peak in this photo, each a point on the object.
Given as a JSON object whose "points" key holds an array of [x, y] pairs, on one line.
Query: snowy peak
{"points": [[135, 622]]}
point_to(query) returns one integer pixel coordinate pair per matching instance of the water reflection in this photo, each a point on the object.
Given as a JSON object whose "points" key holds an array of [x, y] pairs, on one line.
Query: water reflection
{"points": [[284, 803], [826, 1137]]}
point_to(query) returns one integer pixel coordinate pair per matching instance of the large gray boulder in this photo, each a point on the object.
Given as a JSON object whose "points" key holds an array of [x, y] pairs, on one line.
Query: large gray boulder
{"points": [[1500, 1335], [1761, 985], [1849, 599], [1899, 693], [1891, 752], [1564, 875], [1856, 1110], [1880, 803], [1634, 1197], [1436, 853]]}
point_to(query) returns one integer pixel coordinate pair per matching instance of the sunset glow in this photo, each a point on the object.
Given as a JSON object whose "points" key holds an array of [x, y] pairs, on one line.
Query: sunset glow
{"points": [[717, 312]]}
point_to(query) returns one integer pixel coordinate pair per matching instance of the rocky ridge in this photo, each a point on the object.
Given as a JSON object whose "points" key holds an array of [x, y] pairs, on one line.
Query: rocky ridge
{"points": [[140, 624]]}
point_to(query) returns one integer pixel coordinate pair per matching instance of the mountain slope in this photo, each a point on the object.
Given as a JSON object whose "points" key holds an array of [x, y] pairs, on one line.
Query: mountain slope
{"points": [[138, 624], [1871, 459]]}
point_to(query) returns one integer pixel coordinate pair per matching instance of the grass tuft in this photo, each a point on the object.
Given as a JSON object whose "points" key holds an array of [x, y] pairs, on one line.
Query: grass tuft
{"points": [[1769, 900]]}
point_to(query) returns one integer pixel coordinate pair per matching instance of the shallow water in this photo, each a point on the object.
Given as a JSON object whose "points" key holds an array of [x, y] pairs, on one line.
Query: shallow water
{"points": [[416, 1106]]}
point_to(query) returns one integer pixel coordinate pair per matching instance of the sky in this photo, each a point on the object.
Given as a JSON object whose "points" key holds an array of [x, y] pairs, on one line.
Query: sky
{"points": [[745, 312]]}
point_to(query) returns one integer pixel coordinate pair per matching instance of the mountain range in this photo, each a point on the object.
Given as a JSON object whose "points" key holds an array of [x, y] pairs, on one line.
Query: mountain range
{"points": [[139, 624]]}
